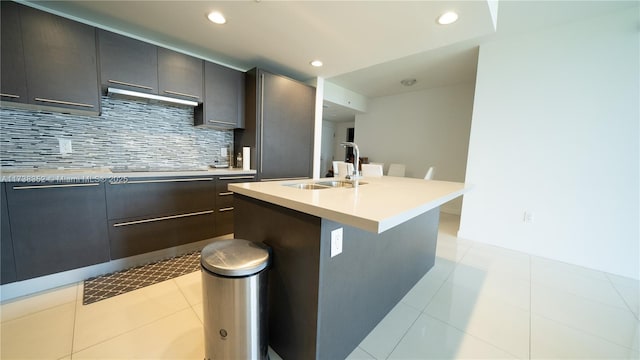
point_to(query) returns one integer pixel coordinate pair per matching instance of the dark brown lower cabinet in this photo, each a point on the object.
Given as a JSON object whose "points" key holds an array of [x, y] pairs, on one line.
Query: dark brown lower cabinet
{"points": [[224, 202], [148, 214], [7, 262], [56, 226], [134, 237]]}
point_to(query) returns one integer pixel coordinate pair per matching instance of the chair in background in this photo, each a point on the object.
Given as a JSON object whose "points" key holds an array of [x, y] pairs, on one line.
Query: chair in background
{"points": [[429, 174], [396, 170], [371, 170], [344, 169], [336, 168]]}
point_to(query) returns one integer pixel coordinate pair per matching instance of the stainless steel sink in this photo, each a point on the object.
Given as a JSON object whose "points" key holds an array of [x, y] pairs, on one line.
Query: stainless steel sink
{"points": [[324, 185], [338, 183], [307, 186]]}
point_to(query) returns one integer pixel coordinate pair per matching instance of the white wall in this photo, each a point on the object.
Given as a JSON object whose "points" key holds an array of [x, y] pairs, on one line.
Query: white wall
{"points": [[420, 129], [555, 131]]}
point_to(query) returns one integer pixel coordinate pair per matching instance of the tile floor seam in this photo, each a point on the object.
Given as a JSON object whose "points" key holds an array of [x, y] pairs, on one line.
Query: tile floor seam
{"points": [[530, 301], [588, 333], [182, 292], [366, 352], [73, 351], [474, 336], [36, 312], [75, 317], [637, 316], [403, 336], [598, 302]]}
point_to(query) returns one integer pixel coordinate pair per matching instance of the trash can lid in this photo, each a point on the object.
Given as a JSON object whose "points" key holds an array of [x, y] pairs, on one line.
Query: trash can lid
{"points": [[235, 257]]}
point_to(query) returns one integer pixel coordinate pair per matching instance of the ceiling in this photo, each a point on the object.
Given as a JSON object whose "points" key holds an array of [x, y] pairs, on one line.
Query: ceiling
{"points": [[366, 46]]}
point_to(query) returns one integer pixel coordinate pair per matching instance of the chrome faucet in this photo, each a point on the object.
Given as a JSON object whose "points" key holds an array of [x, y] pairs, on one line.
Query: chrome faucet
{"points": [[356, 162]]}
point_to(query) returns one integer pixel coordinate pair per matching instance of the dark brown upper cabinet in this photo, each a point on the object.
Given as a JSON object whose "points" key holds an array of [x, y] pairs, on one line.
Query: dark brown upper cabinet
{"points": [[180, 75], [127, 63], [58, 57], [223, 105], [14, 80], [131, 64], [279, 126]]}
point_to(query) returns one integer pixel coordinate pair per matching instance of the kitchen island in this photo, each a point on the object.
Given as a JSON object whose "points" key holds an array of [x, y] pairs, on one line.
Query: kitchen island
{"points": [[322, 306]]}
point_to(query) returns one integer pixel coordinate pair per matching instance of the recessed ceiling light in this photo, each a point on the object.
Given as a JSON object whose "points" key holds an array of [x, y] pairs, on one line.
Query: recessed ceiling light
{"points": [[316, 63], [408, 82], [216, 17], [447, 18]]}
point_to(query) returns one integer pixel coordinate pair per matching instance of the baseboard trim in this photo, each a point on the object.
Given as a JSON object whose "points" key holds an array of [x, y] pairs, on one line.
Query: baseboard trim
{"points": [[18, 289]]}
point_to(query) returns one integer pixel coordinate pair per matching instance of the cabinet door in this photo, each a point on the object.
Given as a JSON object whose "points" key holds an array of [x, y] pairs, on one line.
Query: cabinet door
{"points": [[60, 61], [14, 83], [8, 264], [286, 141], [224, 97], [127, 63], [57, 227], [180, 75]]}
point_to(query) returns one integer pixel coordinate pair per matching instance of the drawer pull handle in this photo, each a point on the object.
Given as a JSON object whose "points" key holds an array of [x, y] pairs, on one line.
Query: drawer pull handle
{"points": [[281, 179], [162, 218], [225, 209], [182, 94], [130, 84], [27, 187], [10, 96], [236, 177], [226, 193], [63, 102], [222, 122], [158, 181]]}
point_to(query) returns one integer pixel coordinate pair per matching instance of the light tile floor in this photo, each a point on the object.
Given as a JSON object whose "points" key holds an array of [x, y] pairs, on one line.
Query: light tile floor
{"points": [[478, 301]]}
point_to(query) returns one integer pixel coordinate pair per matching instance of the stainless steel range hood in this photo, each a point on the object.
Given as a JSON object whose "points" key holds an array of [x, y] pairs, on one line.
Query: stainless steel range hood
{"points": [[135, 94]]}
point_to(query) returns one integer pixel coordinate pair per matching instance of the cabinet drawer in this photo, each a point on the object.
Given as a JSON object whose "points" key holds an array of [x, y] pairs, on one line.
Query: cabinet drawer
{"points": [[224, 197], [224, 221], [143, 197], [133, 237]]}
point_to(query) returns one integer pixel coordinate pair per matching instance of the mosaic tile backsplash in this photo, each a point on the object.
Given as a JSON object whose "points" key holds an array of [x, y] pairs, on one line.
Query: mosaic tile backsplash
{"points": [[133, 133]]}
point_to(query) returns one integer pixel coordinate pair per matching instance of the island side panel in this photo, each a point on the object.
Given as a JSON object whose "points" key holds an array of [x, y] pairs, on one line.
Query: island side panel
{"points": [[294, 238], [372, 274]]}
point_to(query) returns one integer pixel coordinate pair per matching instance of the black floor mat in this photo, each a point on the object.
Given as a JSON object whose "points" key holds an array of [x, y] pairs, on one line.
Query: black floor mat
{"points": [[106, 286]]}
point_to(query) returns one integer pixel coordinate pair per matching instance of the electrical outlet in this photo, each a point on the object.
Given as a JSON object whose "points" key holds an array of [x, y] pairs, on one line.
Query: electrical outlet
{"points": [[65, 146], [223, 152], [528, 217], [336, 242]]}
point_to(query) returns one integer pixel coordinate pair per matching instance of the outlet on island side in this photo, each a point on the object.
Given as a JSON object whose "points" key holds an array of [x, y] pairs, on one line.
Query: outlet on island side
{"points": [[527, 218], [336, 242], [65, 146]]}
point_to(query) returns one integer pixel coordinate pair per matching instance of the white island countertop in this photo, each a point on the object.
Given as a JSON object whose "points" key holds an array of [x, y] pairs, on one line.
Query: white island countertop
{"points": [[378, 205]]}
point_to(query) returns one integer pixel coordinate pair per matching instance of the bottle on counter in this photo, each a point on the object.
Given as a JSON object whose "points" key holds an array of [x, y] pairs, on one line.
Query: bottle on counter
{"points": [[239, 160]]}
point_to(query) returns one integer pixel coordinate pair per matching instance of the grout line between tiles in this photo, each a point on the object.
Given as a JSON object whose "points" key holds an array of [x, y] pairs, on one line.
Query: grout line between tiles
{"points": [[473, 336], [74, 351], [79, 288], [530, 302], [403, 335], [588, 333], [636, 315]]}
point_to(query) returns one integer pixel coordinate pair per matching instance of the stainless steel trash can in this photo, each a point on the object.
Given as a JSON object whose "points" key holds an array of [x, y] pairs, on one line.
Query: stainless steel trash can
{"points": [[234, 291]]}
